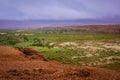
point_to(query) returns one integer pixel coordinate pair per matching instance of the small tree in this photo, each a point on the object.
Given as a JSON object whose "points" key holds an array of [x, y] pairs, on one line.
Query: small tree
{"points": [[25, 38], [37, 42]]}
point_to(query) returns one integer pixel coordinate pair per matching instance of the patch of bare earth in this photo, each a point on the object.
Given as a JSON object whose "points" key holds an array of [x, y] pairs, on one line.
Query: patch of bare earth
{"points": [[21, 66]]}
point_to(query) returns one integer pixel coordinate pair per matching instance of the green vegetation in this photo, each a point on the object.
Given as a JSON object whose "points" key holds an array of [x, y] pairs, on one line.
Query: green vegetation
{"points": [[48, 42], [61, 55], [113, 66]]}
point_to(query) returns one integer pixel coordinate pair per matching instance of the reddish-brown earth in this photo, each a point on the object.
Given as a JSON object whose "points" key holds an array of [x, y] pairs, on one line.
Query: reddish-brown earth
{"points": [[113, 29], [16, 65]]}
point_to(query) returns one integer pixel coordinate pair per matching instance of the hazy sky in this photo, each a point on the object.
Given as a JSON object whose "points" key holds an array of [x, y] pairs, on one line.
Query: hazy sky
{"points": [[59, 9]]}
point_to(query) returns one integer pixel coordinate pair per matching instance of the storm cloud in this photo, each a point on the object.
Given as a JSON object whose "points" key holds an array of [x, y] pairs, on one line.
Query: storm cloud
{"points": [[59, 9]]}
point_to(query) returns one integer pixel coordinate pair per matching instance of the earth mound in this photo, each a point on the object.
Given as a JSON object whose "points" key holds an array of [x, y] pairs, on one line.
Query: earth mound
{"points": [[16, 53]]}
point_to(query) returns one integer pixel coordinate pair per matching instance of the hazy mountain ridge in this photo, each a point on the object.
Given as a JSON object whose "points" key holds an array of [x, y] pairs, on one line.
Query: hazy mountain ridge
{"points": [[18, 24]]}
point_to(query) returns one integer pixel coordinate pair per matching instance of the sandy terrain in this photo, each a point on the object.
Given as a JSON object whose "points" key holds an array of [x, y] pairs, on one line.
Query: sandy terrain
{"points": [[16, 65]]}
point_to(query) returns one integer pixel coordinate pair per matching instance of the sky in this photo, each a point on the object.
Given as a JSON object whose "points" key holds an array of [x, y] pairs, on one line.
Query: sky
{"points": [[59, 9]]}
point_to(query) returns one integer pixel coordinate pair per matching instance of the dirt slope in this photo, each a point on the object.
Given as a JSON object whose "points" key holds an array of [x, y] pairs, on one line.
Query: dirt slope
{"points": [[27, 68], [15, 53]]}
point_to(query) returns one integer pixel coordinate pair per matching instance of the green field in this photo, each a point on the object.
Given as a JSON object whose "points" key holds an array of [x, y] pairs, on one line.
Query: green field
{"points": [[68, 46]]}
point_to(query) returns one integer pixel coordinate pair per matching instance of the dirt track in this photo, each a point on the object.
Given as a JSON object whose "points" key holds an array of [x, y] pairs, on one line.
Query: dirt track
{"points": [[26, 68]]}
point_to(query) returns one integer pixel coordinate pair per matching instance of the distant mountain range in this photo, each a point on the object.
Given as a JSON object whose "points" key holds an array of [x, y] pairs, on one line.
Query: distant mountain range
{"points": [[19, 24]]}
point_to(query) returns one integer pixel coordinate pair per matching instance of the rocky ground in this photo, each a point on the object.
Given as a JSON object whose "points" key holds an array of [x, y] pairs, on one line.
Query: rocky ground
{"points": [[95, 49]]}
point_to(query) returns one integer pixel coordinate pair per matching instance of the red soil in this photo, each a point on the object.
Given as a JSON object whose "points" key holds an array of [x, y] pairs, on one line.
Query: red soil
{"points": [[25, 68]]}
